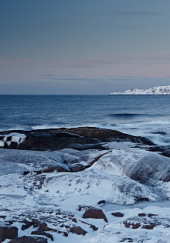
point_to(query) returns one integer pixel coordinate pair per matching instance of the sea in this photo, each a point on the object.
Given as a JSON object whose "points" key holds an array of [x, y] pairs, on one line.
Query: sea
{"points": [[141, 115]]}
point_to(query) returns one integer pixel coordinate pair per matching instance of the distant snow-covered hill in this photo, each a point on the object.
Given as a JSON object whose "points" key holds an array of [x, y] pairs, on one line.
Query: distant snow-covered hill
{"points": [[160, 90]]}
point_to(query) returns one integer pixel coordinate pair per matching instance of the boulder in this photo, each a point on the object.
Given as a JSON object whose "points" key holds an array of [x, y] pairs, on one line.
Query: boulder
{"points": [[80, 138], [95, 214], [8, 232]]}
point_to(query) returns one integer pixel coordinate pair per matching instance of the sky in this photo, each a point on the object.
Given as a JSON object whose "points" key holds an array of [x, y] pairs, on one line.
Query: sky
{"points": [[83, 46]]}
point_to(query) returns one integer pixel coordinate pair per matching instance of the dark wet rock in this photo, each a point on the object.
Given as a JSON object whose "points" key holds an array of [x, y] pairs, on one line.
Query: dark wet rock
{"points": [[40, 232], [107, 135], [117, 214], [127, 240], [164, 150], [2, 216], [93, 227], [77, 230], [95, 214], [152, 215], [65, 234], [29, 239], [80, 138], [42, 225], [8, 232], [141, 199], [101, 202], [26, 172], [142, 214], [149, 226], [27, 224]]}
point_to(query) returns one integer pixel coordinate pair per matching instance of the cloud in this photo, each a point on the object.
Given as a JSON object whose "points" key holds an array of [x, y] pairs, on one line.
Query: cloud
{"points": [[50, 75], [14, 61], [105, 61]]}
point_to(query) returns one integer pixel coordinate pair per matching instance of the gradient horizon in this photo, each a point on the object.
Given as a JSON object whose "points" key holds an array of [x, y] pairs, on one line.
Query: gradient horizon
{"points": [[83, 47]]}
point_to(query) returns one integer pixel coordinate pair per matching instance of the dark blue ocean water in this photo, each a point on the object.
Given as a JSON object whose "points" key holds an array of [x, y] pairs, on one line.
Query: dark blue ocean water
{"points": [[135, 114]]}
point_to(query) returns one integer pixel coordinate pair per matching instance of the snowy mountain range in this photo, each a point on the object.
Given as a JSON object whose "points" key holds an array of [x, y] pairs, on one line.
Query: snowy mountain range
{"points": [[159, 90]]}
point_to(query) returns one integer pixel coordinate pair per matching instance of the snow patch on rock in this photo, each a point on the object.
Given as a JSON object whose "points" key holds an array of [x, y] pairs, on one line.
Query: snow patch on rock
{"points": [[17, 138]]}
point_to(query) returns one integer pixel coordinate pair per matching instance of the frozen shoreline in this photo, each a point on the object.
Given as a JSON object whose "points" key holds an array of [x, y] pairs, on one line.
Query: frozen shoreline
{"points": [[55, 187]]}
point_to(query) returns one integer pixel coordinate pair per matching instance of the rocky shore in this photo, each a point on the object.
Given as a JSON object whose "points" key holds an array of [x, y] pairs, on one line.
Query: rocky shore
{"points": [[55, 185]]}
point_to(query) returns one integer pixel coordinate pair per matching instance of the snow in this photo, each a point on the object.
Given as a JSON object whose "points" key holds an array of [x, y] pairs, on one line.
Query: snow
{"points": [[160, 90], [2, 144], [111, 179], [12, 137]]}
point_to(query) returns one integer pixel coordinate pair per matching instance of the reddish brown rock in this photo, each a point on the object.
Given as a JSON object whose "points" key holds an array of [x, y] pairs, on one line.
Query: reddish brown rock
{"points": [[131, 225], [42, 225], [95, 214], [28, 239], [118, 214], [78, 230], [74, 220], [149, 226], [8, 232], [77, 168]]}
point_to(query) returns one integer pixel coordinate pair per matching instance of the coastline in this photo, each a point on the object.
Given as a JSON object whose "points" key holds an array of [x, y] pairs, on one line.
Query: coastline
{"points": [[99, 168]]}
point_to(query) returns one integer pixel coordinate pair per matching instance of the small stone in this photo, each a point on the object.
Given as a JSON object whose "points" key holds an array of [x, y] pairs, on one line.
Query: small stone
{"points": [[93, 227], [101, 202], [78, 230], [127, 240], [74, 220], [141, 214], [26, 172], [152, 215], [131, 225], [149, 226], [118, 214]]}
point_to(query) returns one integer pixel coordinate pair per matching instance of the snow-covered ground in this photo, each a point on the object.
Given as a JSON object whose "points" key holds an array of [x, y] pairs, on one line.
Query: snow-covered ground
{"points": [[160, 90], [122, 179]]}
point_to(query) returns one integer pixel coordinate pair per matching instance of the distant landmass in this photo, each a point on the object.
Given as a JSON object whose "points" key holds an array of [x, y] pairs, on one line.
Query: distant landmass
{"points": [[159, 90]]}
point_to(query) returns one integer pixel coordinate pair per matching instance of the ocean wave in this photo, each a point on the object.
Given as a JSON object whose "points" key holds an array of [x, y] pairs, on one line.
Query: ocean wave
{"points": [[130, 115]]}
